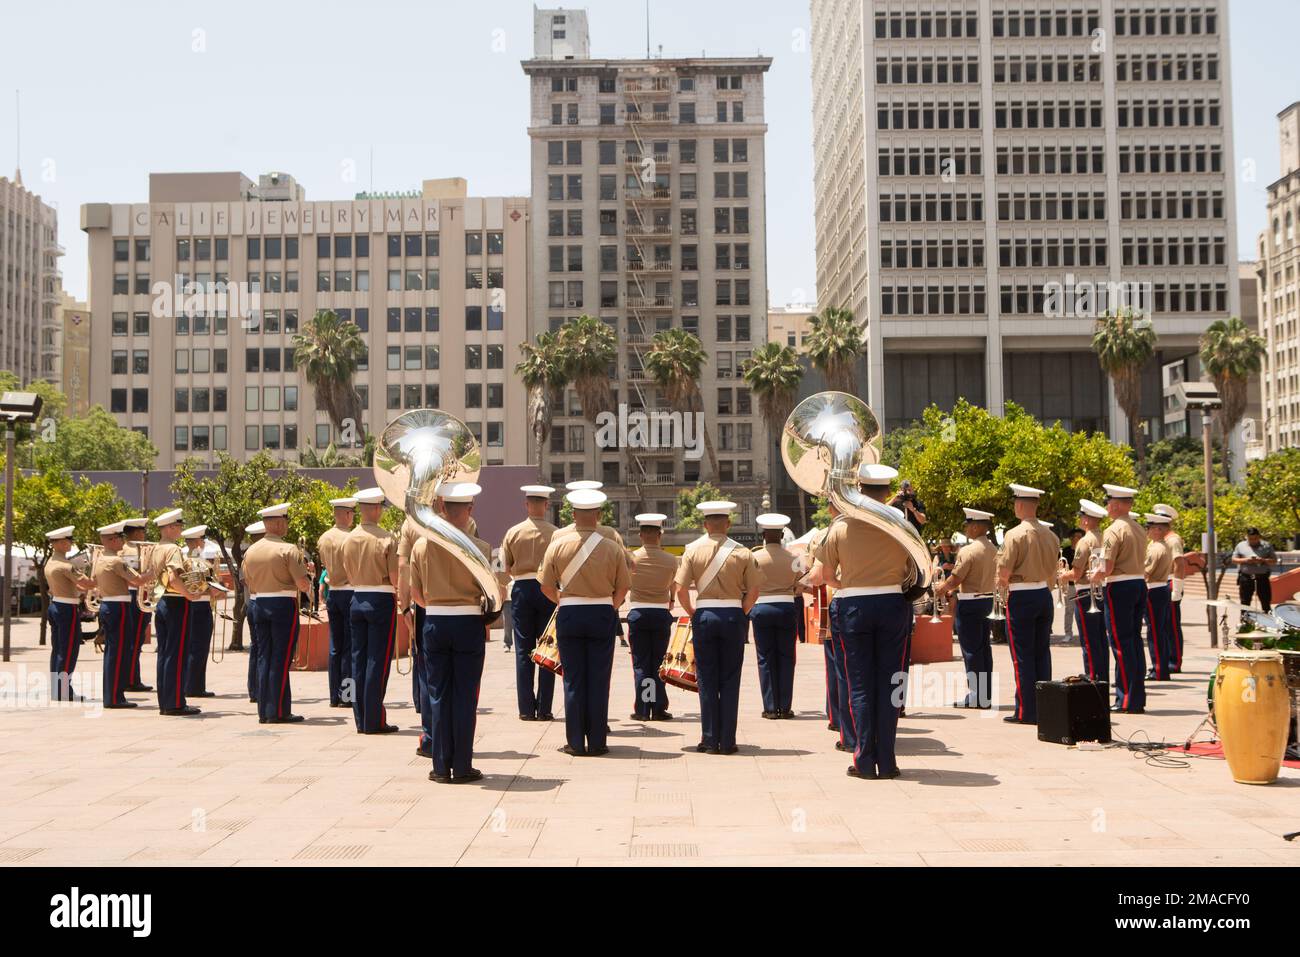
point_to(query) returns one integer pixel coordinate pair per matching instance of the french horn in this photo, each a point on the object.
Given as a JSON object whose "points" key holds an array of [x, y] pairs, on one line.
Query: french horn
{"points": [[417, 452], [825, 440]]}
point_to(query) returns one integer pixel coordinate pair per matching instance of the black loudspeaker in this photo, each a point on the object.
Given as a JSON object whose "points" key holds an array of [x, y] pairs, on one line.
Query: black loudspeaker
{"points": [[1073, 710]]}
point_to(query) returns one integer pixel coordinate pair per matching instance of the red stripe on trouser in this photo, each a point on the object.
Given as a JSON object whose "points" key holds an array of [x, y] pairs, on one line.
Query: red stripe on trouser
{"points": [[288, 654], [1015, 663], [1155, 635], [117, 659], [180, 656], [1119, 651], [1083, 632]]}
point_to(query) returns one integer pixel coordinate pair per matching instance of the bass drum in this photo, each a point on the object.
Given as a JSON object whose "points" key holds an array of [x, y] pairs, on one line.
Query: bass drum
{"points": [[547, 651], [678, 668]]}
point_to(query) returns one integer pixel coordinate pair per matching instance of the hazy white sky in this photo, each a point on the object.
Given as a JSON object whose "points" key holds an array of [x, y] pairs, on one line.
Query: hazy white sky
{"points": [[114, 91]]}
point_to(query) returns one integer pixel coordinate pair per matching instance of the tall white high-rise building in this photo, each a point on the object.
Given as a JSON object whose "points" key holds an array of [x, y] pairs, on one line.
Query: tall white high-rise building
{"points": [[30, 283], [1279, 293]]}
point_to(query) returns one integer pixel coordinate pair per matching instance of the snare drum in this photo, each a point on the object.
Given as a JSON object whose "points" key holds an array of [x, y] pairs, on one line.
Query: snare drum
{"points": [[547, 651], [678, 668]]}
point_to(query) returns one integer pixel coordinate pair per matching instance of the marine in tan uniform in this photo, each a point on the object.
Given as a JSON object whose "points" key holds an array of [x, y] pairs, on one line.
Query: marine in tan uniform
{"points": [[453, 641], [1123, 573], [521, 555], [276, 573], [837, 686], [586, 574], [974, 578], [171, 617], [338, 601], [138, 621], [255, 532], [726, 584], [66, 585], [650, 618], [370, 560], [113, 580], [1027, 568], [774, 616], [1091, 622], [1158, 569], [1175, 542], [869, 569]]}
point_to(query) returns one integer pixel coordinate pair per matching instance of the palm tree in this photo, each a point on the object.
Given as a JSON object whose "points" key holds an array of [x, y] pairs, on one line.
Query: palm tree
{"points": [[543, 374], [1125, 342], [328, 351], [1231, 354], [674, 363], [587, 348], [773, 375], [835, 342]]}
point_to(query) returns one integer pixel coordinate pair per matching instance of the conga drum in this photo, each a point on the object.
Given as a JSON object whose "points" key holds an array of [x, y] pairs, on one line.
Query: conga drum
{"points": [[1252, 710], [546, 652], [678, 667]]}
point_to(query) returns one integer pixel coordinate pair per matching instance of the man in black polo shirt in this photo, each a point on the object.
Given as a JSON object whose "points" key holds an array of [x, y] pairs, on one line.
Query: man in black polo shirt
{"points": [[1254, 559]]}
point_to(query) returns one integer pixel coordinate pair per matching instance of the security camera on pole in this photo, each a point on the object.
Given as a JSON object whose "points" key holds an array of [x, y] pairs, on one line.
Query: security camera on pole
{"points": [[15, 407], [1203, 397]]}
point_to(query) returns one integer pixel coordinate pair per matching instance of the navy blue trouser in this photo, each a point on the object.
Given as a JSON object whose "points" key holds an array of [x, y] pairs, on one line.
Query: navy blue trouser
{"points": [[452, 654], [774, 647], [648, 633], [171, 621], [138, 625], [1160, 631], [338, 606], [534, 685], [585, 634], [277, 624], [973, 627], [1030, 613], [1125, 605], [832, 686], [254, 649], [873, 643], [848, 735], [65, 646], [1176, 617], [719, 636], [374, 632], [200, 646], [800, 620], [1092, 637], [113, 617], [419, 686]]}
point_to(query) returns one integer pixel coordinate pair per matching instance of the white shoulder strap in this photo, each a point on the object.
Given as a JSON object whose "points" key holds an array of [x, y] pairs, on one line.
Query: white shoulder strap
{"points": [[715, 566], [571, 570]]}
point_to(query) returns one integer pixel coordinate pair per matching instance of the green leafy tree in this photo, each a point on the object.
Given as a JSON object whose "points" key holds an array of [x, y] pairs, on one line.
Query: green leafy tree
{"points": [[586, 349], [327, 351], [1273, 482], [543, 373], [606, 514], [773, 375], [52, 499], [1125, 342], [687, 499], [674, 363], [54, 406], [1232, 355], [835, 342], [93, 442], [229, 500]]}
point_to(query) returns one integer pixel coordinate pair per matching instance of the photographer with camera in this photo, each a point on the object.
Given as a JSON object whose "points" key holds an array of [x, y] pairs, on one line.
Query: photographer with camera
{"points": [[905, 501]]}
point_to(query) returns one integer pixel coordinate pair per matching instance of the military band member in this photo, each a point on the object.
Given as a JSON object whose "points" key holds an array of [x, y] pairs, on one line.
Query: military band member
{"points": [[370, 560], [138, 622], [66, 586], [407, 536], [201, 623], [276, 574], [1123, 573], [589, 485], [774, 616], [1091, 621], [256, 532], [1027, 570], [338, 603], [586, 574], [171, 618], [1175, 543], [113, 579], [726, 585], [1158, 568], [453, 641], [650, 618], [869, 569], [522, 550], [974, 578]]}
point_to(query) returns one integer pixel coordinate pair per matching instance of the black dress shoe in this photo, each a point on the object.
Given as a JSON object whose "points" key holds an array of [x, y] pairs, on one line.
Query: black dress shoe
{"points": [[546, 717], [662, 716], [385, 729], [771, 715], [704, 748], [597, 752], [832, 726], [469, 777], [731, 750], [437, 778], [568, 749], [121, 704], [840, 746], [853, 772], [640, 717], [200, 694], [1012, 719], [712, 751], [180, 712], [786, 713], [528, 717], [340, 704], [889, 775], [287, 719], [139, 687], [424, 752]]}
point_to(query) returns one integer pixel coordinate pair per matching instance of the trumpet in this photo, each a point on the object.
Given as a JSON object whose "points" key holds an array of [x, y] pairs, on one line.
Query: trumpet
{"points": [[1061, 566], [1096, 560], [999, 612]]}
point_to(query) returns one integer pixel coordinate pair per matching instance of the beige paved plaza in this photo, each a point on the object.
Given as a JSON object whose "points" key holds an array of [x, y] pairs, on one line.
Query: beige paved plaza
{"points": [[133, 787]]}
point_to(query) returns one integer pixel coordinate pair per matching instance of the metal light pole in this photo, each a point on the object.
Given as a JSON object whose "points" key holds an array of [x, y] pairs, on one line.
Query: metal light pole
{"points": [[9, 531], [1211, 549]]}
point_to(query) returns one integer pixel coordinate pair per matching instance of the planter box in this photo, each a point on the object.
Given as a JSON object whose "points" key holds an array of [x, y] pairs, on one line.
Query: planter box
{"points": [[313, 651], [932, 641]]}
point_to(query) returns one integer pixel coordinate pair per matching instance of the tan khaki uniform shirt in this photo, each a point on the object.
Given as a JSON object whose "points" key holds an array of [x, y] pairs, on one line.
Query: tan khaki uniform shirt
{"points": [[524, 546], [167, 556], [1031, 552], [1159, 562], [61, 578], [977, 567], [1090, 542], [604, 573], [330, 548], [370, 557], [653, 570], [1125, 545], [736, 578], [859, 555], [440, 579], [272, 565], [777, 570]]}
